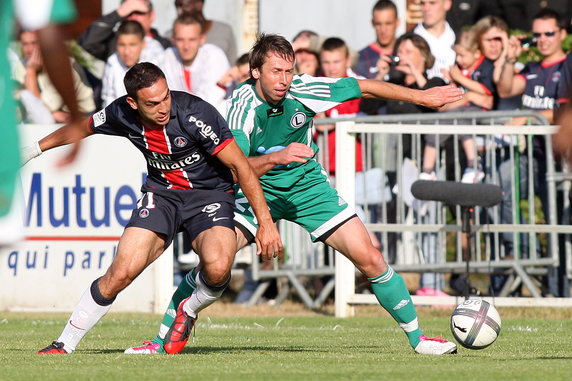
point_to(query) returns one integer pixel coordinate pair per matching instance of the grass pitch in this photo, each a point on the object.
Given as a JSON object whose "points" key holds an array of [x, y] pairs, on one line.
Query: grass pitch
{"points": [[533, 345]]}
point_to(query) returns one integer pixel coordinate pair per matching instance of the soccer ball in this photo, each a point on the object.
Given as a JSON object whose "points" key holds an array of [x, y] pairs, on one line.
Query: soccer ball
{"points": [[475, 324]]}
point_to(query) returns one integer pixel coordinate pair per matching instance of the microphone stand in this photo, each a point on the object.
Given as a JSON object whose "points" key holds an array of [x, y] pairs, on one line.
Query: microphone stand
{"points": [[467, 251]]}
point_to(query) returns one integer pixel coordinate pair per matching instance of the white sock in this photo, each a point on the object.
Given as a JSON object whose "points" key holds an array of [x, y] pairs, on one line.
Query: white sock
{"points": [[85, 315], [202, 297]]}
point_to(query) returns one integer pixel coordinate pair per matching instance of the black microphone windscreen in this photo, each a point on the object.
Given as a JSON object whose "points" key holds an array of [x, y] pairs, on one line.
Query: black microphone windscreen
{"points": [[454, 193]]}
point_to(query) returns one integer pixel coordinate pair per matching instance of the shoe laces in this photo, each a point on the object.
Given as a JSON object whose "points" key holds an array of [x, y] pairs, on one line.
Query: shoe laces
{"points": [[146, 344], [438, 339]]}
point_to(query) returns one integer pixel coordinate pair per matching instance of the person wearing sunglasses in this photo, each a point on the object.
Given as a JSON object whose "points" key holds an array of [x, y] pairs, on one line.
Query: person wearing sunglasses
{"points": [[538, 82]]}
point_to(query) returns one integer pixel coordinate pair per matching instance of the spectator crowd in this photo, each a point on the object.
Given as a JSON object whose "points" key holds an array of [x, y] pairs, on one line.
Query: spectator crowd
{"points": [[504, 54]]}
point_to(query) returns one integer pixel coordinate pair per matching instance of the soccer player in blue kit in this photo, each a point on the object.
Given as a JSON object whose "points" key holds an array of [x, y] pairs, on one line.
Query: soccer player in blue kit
{"points": [[271, 116], [191, 160]]}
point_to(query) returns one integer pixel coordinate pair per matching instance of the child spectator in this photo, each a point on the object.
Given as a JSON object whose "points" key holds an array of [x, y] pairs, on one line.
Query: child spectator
{"points": [[130, 45], [474, 74]]}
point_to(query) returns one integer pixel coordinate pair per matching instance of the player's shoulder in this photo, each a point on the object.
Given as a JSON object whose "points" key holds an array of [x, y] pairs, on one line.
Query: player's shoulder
{"points": [[190, 108], [189, 102]]}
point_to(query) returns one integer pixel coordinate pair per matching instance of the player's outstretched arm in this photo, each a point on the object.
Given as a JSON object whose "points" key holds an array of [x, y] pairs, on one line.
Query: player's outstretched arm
{"points": [[268, 240], [434, 97], [69, 133]]}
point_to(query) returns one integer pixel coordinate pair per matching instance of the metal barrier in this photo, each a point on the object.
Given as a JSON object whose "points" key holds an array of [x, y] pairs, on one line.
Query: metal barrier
{"points": [[416, 242], [489, 256]]}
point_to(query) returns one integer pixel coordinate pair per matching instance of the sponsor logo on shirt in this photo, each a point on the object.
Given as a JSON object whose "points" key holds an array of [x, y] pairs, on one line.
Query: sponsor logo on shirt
{"points": [[205, 130], [98, 118], [275, 111], [144, 213], [298, 120]]}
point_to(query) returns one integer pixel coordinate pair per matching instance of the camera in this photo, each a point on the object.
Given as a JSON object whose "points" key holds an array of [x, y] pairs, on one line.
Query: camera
{"points": [[528, 42], [394, 59]]}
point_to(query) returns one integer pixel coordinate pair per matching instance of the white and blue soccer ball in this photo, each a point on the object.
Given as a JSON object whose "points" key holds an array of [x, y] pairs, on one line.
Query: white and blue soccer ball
{"points": [[475, 324]]}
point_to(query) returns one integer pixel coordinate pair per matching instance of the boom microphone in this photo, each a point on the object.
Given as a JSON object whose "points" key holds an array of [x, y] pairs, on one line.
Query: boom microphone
{"points": [[454, 193]]}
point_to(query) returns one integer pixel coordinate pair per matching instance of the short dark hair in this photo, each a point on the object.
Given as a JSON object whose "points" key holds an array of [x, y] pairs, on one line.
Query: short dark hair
{"points": [[267, 43], [382, 5], [141, 76], [131, 27], [549, 14], [190, 19], [242, 60], [334, 43], [420, 43]]}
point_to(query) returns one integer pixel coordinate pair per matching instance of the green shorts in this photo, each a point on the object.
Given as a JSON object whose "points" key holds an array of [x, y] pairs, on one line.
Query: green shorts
{"points": [[311, 203]]}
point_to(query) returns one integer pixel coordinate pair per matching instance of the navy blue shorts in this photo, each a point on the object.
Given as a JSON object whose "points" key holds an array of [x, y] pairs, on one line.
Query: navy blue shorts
{"points": [[168, 212]]}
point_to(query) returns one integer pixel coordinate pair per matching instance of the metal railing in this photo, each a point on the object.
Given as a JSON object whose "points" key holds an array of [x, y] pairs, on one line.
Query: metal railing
{"points": [[416, 242]]}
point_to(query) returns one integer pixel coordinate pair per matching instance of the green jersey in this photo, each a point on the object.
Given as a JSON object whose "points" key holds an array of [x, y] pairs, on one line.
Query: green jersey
{"points": [[260, 128]]}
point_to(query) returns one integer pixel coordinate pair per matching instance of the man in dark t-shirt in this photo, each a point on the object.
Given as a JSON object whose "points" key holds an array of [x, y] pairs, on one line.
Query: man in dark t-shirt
{"points": [[190, 153]]}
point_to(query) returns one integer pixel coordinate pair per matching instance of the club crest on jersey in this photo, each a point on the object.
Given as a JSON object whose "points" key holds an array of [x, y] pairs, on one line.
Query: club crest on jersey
{"points": [[298, 120], [556, 77], [211, 208], [98, 118], [180, 141], [144, 213]]}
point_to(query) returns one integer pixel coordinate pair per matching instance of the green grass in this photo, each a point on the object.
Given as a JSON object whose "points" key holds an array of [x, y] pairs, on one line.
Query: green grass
{"points": [[289, 348]]}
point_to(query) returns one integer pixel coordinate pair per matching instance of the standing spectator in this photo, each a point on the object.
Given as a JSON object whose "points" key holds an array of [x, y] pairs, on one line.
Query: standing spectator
{"points": [[99, 38], [385, 22], [193, 65], [218, 33], [130, 45], [39, 85], [539, 81], [539, 84], [414, 59], [438, 33]]}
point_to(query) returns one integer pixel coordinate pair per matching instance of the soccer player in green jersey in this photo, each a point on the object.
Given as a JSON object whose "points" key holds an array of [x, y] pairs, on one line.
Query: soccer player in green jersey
{"points": [[270, 116], [31, 15]]}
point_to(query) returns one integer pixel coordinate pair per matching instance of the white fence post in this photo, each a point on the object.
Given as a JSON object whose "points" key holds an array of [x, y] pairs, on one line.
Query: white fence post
{"points": [[345, 184]]}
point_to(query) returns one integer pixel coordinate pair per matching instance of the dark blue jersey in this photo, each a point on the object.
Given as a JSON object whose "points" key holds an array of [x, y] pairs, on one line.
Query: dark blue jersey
{"points": [[564, 92], [483, 73], [543, 81], [180, 155]]}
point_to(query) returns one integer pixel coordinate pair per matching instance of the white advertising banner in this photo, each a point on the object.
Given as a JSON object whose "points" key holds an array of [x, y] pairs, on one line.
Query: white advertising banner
{"points": [[73, 219]]}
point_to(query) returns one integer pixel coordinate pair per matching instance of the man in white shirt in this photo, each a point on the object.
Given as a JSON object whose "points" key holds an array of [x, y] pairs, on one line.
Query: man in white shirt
{"points": [[438, 33], [192, 65]]}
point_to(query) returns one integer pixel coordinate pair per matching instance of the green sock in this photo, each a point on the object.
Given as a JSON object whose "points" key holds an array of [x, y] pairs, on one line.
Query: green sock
{"points": [[390, 291], [185, 289]]}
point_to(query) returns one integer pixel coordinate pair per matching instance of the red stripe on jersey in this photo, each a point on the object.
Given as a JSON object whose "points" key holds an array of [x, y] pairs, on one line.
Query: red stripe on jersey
{"points": [[156, 140], [222, 145], [177, 179]]}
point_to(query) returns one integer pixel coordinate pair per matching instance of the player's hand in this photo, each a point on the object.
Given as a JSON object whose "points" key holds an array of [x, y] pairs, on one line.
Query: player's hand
{"points": [[383, 66], [436, 97], [130, 6], [268, 242], [414, 13], [294, 153], [35, 62]]}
